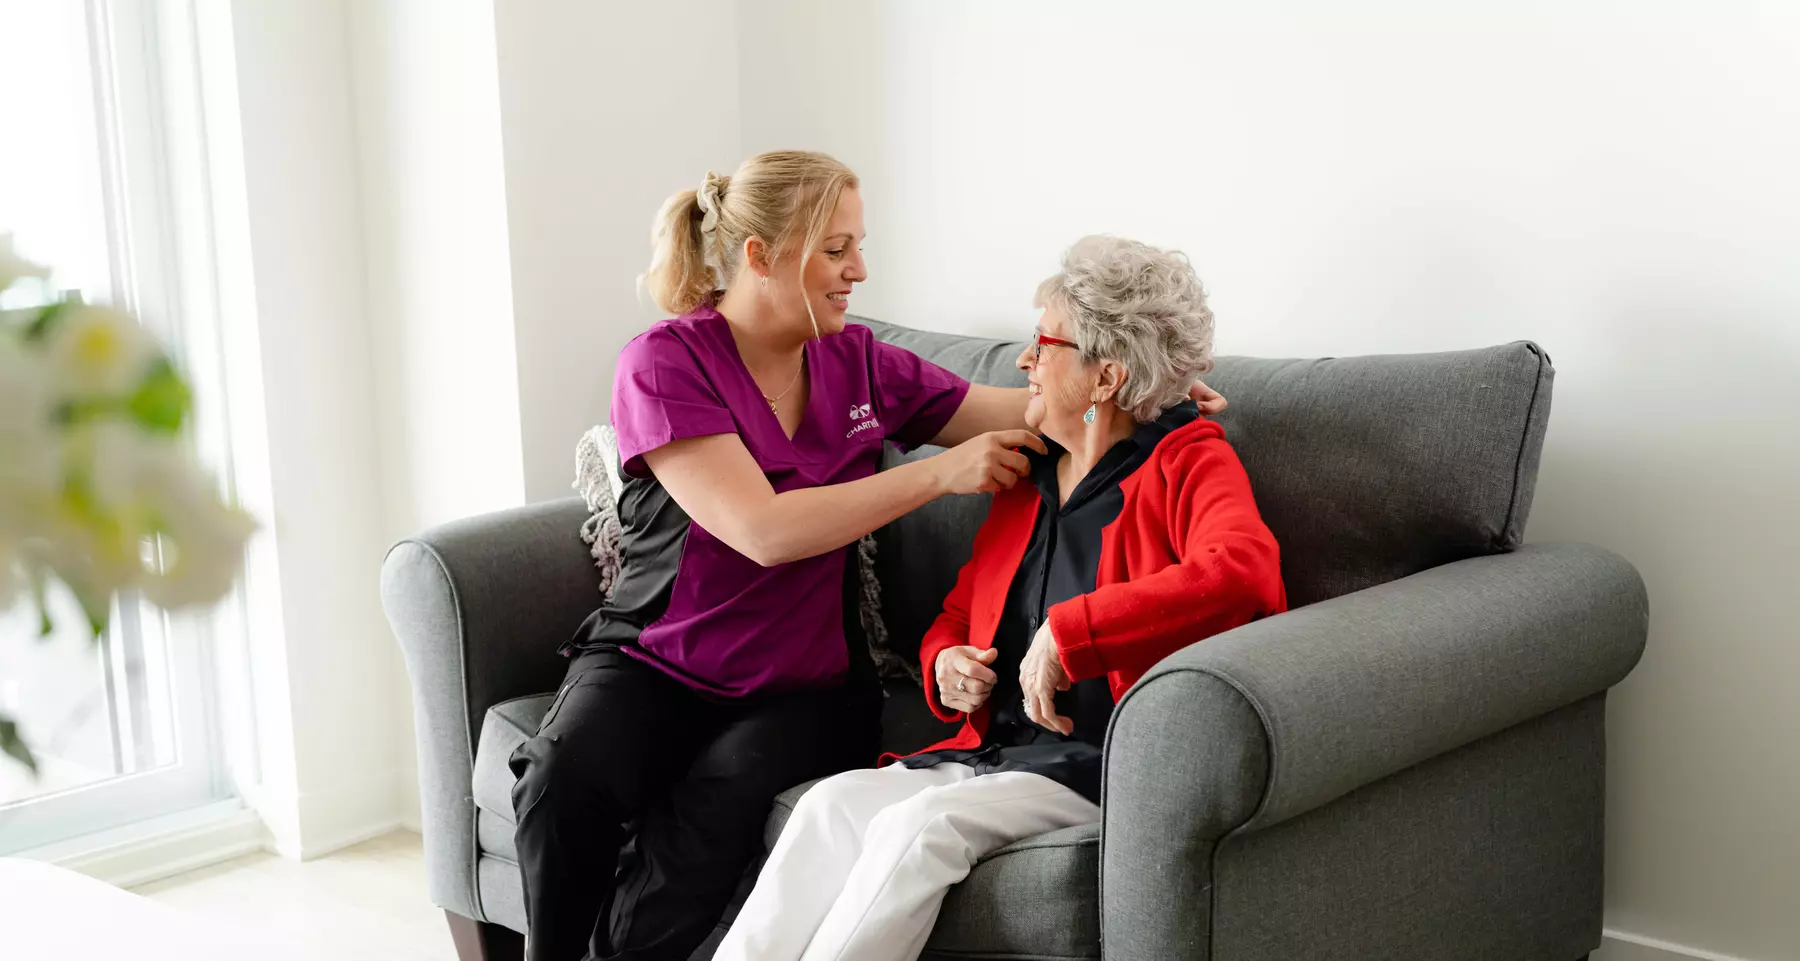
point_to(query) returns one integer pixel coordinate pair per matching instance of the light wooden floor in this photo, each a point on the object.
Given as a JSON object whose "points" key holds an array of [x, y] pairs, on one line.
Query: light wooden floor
{"points": [[363, 902]]}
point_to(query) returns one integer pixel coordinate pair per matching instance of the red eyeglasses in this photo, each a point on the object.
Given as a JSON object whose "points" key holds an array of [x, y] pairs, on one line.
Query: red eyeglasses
{"points": [[1045, 340]]}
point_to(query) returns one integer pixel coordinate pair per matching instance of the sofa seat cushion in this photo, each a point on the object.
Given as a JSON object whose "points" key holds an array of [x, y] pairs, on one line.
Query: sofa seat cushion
{"points": [[494, 835], [507, 725], [1038, 898]]}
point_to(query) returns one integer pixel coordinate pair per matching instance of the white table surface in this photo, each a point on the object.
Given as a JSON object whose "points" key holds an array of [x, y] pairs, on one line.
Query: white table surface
{"points": [[51, 914]]}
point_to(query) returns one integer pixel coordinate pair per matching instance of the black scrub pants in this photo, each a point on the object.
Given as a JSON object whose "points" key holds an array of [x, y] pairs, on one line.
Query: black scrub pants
{"points": [[626, 748]]}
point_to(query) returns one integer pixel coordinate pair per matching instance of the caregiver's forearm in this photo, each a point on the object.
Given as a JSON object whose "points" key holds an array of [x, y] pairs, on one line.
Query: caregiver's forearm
{"points": [[814, 520], [985, 409], [716, 481]]}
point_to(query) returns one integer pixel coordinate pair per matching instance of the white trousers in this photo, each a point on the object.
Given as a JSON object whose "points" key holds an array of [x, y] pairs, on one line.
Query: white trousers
{"points": [[862, 867]]}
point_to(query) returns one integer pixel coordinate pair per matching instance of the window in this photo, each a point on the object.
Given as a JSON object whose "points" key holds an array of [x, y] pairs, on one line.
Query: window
{"points": [[94, 182]]}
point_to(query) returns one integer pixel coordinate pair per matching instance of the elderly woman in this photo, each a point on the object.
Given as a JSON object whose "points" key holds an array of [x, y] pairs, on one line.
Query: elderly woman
{"points": [[1137, 535]]}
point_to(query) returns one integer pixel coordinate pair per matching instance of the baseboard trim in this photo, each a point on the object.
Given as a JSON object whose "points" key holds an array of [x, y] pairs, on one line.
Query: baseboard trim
{"points": [[1625, 946], [350, 812], [161, 847], [349, 838], [325, 818]]}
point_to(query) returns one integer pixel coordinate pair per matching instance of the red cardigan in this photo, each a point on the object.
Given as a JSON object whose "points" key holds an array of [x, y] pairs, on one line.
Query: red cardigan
{"points": [[1187, 558]]}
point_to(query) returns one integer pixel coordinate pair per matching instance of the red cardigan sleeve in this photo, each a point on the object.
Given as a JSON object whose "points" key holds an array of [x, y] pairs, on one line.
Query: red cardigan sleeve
{"points": [[1228, 571], [951, 629]]}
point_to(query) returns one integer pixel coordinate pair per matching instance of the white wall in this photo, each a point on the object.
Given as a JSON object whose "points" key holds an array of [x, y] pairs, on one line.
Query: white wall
{"points": [[439, 282], [439, 303], [1616, 183], [607, 109], [293, 275]]}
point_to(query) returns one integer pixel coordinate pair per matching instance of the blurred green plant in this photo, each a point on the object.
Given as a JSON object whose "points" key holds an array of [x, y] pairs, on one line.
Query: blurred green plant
{"points": [[98, 491]]}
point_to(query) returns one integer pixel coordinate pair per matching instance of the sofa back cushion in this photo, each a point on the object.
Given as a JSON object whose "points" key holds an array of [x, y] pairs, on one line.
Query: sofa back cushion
{"points": [[1367, 469]]}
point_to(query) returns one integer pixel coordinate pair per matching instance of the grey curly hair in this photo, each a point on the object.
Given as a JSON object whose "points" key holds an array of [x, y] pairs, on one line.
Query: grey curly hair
{"points": [[1140, 306]]}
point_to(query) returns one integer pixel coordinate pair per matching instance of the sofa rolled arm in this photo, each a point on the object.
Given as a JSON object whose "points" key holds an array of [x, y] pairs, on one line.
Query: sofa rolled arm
{"points": [[479, 607], [1271, 720]]}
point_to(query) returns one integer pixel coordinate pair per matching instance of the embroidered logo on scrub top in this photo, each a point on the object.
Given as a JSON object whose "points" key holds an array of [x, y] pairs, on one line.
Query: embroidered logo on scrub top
{"points": [[866, 416]]}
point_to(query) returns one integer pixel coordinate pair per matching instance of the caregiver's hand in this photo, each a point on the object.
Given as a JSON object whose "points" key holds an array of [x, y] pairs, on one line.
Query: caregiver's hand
{"points": [[1210, 401], [986, 462], [1041, 675], [963, 678]]}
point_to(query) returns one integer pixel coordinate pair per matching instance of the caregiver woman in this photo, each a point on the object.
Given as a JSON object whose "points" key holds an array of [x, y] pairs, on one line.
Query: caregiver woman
{"points": [[728, 666]]}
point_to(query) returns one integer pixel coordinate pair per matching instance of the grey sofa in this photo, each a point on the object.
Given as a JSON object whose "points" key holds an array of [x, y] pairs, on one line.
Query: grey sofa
{"points": [[1408, 765]]}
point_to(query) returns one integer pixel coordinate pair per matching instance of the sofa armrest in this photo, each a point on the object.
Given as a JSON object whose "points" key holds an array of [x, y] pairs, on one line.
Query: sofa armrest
{"points": [[479, 607], [1281, 716]]}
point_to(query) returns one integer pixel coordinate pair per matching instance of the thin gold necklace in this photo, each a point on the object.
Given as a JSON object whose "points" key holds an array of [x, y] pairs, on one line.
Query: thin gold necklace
{"points": [[790, 387]]}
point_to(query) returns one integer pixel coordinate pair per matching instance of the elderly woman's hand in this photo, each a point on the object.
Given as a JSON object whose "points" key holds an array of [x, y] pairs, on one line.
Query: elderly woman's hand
{"points": [[1210, 401], [1041, 675], [963, 677]]}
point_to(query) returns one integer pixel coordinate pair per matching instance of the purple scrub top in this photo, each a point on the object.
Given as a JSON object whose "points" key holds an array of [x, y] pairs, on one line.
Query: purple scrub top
{"points": [[733, 627]]}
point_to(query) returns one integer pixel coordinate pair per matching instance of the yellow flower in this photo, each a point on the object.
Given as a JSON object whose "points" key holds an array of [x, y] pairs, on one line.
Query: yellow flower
{"points": [[97, 352], [97, 485]]}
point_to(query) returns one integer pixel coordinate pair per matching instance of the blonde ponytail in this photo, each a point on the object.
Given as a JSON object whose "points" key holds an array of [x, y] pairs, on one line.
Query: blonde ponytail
{"points": [[785, 197], [679, 278]]}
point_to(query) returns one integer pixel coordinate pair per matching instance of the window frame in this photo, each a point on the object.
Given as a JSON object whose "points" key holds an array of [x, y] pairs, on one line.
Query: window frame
{"points": [[152, 140]]}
